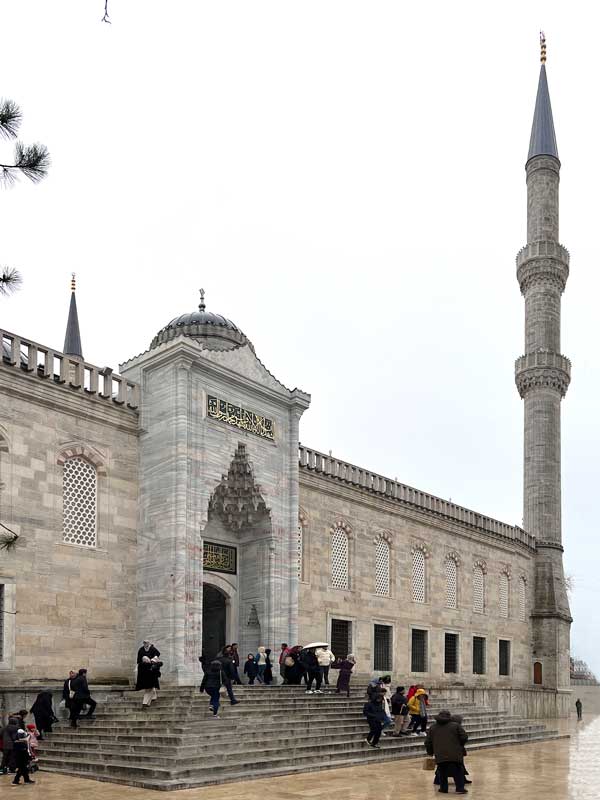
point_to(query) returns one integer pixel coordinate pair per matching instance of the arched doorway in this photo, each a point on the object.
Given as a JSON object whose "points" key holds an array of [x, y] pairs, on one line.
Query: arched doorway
{"points": [[214, 621]]}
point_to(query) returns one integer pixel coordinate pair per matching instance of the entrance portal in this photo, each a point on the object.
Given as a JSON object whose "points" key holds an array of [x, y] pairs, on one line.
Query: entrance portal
{"points": [[214, 618]]}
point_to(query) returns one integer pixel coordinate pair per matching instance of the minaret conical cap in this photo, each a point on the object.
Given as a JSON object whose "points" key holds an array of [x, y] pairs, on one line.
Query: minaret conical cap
{"points": [[543, 138], [72, 345]]}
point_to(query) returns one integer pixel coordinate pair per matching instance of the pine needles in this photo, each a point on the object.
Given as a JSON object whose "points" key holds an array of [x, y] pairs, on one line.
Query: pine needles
{"points": [[10, 280], [32, 160]]}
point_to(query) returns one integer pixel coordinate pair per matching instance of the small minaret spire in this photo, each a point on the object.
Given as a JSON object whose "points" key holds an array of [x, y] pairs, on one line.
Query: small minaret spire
{"points": [[72, 346], [542, 47], [202, 305]]}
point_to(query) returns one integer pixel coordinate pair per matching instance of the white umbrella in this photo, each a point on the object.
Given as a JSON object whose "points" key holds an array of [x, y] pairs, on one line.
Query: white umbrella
{"points": [[315, 644]]}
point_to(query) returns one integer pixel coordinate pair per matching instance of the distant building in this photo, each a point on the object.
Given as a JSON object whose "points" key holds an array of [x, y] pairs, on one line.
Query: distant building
{"points": [[581, 672]]}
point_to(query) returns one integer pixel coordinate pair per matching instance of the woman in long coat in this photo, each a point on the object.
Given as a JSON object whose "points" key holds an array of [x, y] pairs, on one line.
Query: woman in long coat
{"points": [[43, 713], [147, 679], [345, 667], [294, 672]]}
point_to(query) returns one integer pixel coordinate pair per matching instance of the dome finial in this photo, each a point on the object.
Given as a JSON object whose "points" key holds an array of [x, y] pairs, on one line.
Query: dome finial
{"points": [[542, 47], [202, 305], [72, 281]]}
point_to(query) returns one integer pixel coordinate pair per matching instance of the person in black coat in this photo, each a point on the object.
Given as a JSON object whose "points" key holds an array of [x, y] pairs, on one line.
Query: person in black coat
{"points": [[148, 679], [310, 664], [268, 673], [43, 713], [21, 750], [66, 693], [251, 669], [374, 711], [147, 649], [228, 668], [214, 680], [8, 736], [82, 697]]}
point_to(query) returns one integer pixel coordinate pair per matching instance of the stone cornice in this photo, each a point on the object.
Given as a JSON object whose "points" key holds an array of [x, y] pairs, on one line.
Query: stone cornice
{"points": [[542, 369]]}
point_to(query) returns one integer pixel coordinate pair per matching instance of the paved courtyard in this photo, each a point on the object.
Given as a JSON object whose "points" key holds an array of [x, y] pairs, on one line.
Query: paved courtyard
{"points": [[565, 769]]}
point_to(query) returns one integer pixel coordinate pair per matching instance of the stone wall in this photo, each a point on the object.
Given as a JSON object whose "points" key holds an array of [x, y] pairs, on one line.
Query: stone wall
{"points": [[66, 606]]}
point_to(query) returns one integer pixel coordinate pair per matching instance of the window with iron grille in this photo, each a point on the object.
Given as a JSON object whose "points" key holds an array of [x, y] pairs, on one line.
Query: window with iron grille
{"points": [[522, 599], [382, 647], [451, 583], [419, 655], [341, 637], [451, 652], [504, 657], [478, 589], [79, 502], [418, 575], [479, 655], [503, 595], [339, 559], [382, 568], [1, 622]]}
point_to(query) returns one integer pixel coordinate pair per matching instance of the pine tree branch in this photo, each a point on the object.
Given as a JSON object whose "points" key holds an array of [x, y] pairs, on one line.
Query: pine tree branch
{"points": [[10, 281], [106, 18], [31, 160], [10, 119]]}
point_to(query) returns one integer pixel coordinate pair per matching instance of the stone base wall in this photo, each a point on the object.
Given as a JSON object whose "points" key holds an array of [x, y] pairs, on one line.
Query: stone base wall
{"points": [[531, 703]]}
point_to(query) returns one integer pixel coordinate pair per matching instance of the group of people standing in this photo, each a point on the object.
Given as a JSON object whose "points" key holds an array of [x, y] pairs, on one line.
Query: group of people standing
{"points": [[311, 665], [406, 712]]}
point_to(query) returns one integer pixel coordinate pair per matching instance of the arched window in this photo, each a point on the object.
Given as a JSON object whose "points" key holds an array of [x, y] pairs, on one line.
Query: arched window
{"points": [[522, 599], [339, 559], [537, 673], [418, 575], [80, 484], [382, 567], [503, 594], [478, 588], [451, 570]]}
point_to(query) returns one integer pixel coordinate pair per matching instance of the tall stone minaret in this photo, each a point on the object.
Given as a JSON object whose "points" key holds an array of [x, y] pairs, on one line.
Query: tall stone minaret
{"points": [[542, 378]]}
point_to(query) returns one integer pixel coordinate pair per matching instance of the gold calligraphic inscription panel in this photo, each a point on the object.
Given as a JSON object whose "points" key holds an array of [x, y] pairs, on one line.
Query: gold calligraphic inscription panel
{"points": [[239, 417], [219, 558]]}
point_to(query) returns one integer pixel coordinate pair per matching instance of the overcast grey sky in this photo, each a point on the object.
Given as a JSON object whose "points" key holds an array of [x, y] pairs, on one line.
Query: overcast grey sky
{"points": [[346, 180]]}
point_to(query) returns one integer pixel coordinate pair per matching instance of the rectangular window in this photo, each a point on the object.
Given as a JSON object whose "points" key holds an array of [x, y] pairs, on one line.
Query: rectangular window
{"points": [[1, 622], [418, 661], [341, 637], [478, 655], [450, 652], [504, 657], [382, 647]]}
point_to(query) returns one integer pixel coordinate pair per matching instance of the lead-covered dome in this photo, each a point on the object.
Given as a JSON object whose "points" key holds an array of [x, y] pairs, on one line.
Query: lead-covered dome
{"points": [[217, 332]]}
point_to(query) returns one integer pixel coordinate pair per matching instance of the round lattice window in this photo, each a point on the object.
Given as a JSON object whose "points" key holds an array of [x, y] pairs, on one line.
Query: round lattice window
{"points": [[79, 502]]}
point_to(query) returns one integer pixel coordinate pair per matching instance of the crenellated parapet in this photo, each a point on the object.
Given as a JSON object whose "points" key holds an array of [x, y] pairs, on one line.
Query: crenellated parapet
{"points": [[542, 369], [543, 263]]}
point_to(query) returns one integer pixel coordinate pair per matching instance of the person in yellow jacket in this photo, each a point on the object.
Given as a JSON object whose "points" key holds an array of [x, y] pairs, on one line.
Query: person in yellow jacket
{"points": [[417, 708]]}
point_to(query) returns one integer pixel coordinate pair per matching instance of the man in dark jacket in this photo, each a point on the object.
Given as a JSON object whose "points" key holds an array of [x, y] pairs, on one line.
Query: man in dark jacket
{"points": [[79, 686], [66, 693], [21, 750], [446, 741], [8, 734], [228, 668], [376, 717], [312, 671], [235, 657], [399, 705]]}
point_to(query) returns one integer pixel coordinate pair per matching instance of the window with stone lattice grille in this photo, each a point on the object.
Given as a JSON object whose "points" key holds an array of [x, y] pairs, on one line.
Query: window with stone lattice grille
{"points": [[503, 595], [79, 502], [339, 559], [300, 551], [478, 589], [522, 599], [451, 583], [418, 575], [382, 568]]}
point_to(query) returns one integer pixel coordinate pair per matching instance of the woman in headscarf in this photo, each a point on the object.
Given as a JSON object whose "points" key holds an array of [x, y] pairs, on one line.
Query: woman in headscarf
{"points": [[43, 713], [147, 679], [345, 667], [294, 671]]}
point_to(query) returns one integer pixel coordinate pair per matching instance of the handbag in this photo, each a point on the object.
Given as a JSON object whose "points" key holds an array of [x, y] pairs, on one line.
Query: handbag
{"points": [[429, 763], [288, 661], [71, 692]]}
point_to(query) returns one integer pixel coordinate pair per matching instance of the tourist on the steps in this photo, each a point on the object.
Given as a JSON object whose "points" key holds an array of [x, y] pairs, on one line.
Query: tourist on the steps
{"points": [[81, 697], [214, 681], [446, 741], [309, 662], [283, 655], [147, 649], [399, 705], [66, 692], [294, 671], [22, 756], [9, 734], [261, 663], [374, 711], [228, 674], [325, 658], [386, 684], [250, 669], [417, 707], [345, 667], [235, 657], [148, 679], [43, 713], [268, 676], [579, 708]]}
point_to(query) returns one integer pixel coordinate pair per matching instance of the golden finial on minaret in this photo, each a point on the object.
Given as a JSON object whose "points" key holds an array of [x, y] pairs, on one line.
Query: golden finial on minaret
{"points": [[72, 281], [542, 47], [202, 305]]}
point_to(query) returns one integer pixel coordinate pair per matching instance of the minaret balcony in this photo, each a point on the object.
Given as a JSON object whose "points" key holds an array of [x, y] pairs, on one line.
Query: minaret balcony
{"points": [[542, 370], [544, 262]]}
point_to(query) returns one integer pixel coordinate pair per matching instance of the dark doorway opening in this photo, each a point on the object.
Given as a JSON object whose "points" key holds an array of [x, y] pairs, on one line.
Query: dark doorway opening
{"points": [[214, 618]]}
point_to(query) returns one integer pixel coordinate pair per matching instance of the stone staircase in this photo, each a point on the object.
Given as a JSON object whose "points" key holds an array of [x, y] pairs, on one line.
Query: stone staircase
{"points": [[176, 744]]}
